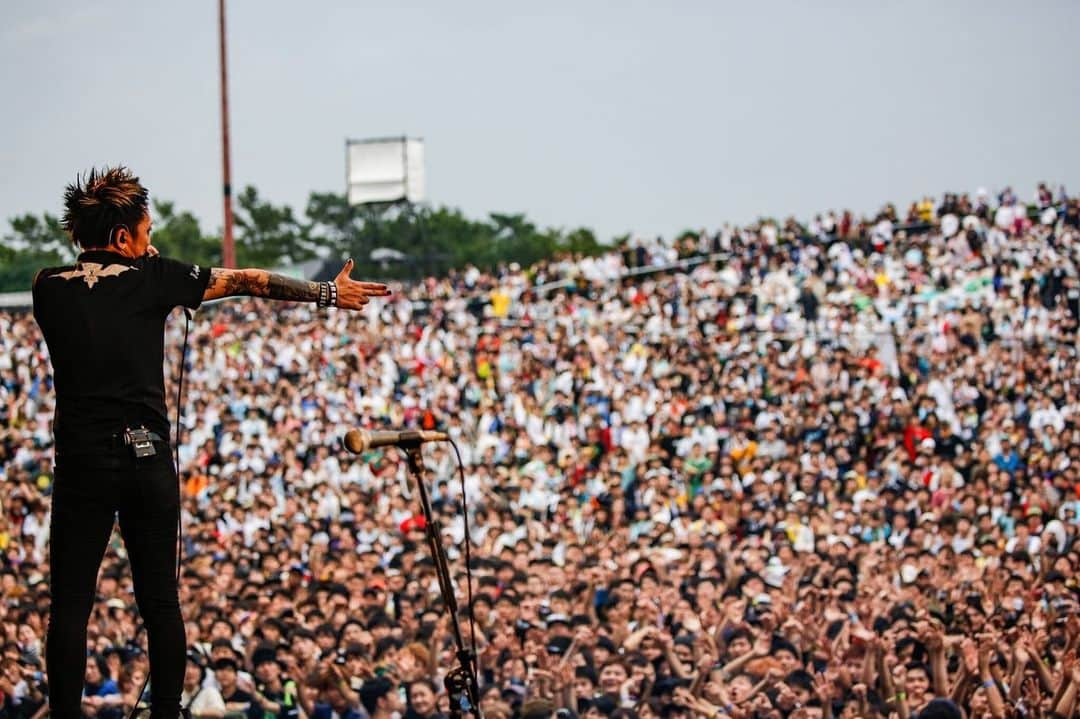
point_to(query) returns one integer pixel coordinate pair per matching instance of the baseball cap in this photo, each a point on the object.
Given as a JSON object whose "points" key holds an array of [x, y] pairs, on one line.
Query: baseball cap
{"points": [[265, 652], [226, 663], [606, 643], [558, 645]]}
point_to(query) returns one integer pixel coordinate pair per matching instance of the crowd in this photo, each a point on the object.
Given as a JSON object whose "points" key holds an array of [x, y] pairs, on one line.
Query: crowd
{"points": [[828, 469]]}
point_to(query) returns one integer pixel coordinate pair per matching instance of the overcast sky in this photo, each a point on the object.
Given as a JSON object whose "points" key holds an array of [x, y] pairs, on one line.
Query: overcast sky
{"points": [[622, 116]]}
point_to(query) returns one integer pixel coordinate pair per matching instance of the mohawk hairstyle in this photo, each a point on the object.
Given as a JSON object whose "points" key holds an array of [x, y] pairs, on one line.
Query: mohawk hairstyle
{"points": [[100, 202]]}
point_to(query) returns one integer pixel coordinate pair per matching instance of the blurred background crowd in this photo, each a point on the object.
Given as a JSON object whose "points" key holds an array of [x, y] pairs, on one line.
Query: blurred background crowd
{"points": [[818, 469]]}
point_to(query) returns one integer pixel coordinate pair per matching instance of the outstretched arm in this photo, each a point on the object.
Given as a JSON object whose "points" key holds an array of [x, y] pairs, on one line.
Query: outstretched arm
{"points": [[351, 295]]}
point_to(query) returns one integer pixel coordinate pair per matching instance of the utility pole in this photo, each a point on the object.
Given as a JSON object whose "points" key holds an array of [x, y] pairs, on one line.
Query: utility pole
{"points": [[228, 249]]}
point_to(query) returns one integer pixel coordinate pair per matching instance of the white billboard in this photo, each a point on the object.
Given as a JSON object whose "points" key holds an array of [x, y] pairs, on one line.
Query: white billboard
{"points": [[384, 170]]}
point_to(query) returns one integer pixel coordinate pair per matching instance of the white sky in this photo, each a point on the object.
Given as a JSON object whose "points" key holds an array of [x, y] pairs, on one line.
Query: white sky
{"points": [[649, 117]]}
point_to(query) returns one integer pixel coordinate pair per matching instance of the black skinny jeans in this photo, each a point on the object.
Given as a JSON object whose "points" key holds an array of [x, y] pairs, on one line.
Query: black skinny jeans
{"points": [[89, 492]]}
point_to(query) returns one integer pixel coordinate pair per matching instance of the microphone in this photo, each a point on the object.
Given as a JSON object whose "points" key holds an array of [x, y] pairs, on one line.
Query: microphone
{"points": [[359, 441]]}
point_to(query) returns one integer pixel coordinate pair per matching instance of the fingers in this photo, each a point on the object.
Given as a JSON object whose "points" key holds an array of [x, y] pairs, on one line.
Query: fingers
{"points": [[375, 289], [346, 270], [354, 295], [372, 289], [351, 300]]}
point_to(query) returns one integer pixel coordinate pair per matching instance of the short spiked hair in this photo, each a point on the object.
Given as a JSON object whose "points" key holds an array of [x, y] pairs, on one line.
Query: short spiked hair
{"points": [[101, 201]]}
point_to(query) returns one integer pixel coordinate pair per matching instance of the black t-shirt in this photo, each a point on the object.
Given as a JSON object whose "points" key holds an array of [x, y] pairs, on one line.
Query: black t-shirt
{"points": [[285, 698], [239, 696], [104, 323]]}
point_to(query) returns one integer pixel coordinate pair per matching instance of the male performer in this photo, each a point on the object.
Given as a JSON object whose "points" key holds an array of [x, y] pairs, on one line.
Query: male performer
{"points": [[104, 320]]}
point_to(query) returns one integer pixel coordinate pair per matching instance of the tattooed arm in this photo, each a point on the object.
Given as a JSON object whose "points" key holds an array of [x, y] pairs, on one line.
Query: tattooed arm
{"points": [[260, 283]]}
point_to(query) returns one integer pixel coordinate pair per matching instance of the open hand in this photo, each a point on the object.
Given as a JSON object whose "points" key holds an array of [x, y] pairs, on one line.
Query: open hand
{"points": [[1021, 653], [823, 688]]}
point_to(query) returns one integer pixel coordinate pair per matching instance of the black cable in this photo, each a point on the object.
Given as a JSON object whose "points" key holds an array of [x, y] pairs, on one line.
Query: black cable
{"points": [[176, 460], [468, 563], [176, 448]]}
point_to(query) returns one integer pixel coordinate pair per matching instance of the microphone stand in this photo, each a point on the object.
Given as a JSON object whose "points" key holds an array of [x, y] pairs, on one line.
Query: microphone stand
{"points": [[461, 682]]}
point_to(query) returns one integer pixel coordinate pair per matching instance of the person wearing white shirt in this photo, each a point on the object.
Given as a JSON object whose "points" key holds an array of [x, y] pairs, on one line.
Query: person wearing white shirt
{"points": [[1047, 415], [635, 440], [1024, 540], [203, 702]]}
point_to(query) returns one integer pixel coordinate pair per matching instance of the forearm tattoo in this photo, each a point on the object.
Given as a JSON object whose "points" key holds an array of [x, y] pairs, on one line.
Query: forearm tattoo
{"points": [[259, 283], [286, 288]]}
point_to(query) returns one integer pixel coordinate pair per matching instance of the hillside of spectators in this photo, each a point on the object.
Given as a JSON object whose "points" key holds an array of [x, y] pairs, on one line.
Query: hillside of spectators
{"points": [[818, 469]]}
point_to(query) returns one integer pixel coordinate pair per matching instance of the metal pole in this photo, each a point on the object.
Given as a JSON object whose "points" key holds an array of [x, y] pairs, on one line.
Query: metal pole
{"points": [[228, 250], [462, 678]]}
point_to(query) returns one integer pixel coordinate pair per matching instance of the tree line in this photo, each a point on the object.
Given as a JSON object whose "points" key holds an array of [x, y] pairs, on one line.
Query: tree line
{"points": [[433, 240]]}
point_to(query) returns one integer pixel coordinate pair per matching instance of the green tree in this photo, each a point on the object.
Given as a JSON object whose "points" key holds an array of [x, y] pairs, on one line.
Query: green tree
{"points": [[269, 235], [455, 239], [355, 231], [435, 239], [179, 236], [385, 225], [40, 234], [583, 241], [332, 223], [31, 243], [519, 240]]}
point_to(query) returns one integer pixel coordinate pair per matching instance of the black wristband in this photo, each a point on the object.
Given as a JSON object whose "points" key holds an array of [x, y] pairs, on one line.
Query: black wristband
{"points": [[332, 299]]}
